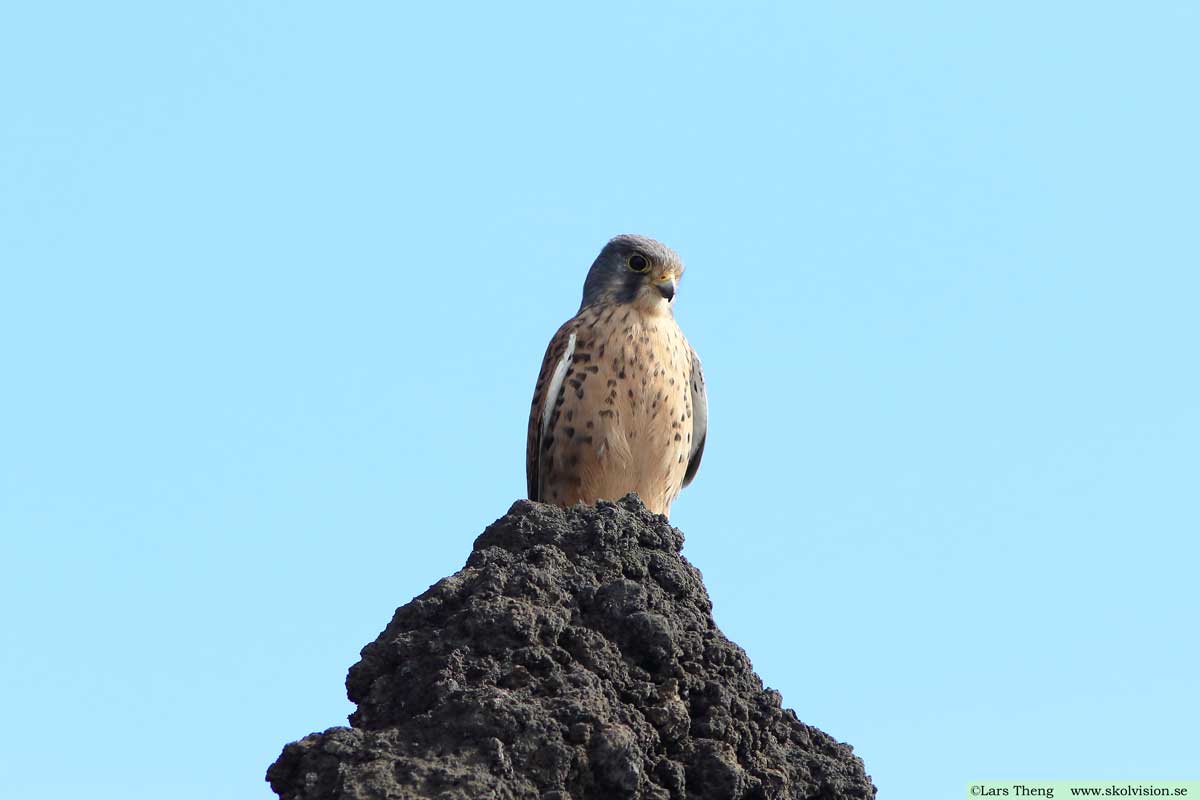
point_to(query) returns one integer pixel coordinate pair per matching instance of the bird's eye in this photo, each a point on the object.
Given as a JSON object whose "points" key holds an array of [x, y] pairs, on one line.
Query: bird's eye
{"points": [[638, 263]]}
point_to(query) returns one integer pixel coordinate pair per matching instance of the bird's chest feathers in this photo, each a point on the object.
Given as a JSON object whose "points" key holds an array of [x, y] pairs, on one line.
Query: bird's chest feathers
{"points": [[626, 400]]}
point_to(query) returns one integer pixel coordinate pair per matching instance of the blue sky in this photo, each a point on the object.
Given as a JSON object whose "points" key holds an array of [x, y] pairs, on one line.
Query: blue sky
{"points": [[277, 279]]}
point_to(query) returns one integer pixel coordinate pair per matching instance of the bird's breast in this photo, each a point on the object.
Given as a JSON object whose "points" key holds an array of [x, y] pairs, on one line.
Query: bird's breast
{"points": [[624, 423]]}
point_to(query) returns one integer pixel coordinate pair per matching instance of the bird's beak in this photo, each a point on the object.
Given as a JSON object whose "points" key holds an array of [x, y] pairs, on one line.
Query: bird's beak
{"points": [[666, 285]]}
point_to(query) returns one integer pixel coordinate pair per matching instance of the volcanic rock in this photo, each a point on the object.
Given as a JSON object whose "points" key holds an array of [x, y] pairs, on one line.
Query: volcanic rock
{"points": [[574, 657]]}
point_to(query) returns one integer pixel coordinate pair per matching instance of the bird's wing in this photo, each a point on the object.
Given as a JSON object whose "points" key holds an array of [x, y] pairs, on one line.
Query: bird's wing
{"points": [[699, 419], [545, 395]]}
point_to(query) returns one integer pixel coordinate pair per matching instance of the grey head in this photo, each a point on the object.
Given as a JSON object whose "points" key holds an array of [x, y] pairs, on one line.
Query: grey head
{"points": [[633, 269]]}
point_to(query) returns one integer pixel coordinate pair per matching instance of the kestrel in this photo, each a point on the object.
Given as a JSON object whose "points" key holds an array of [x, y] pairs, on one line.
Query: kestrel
{"points": [[619, 404]]}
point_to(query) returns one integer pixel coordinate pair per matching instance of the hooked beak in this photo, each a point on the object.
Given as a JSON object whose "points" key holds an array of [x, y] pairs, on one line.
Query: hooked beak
{"points": [[666, 286]]}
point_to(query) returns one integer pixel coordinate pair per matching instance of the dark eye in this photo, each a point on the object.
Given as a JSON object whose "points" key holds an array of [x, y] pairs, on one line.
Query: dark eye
{"points": [[638, 263]]}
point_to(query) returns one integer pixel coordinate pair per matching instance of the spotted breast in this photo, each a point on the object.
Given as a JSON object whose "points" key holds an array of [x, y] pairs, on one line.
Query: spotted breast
{"points": [[621, 418]]}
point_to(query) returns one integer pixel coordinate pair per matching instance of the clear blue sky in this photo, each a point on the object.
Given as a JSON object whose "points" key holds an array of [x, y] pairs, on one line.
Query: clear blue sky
{"points": [[277, 279]]}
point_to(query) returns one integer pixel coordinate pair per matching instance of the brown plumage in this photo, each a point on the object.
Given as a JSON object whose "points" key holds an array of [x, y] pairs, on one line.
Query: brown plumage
{"points": [[619, 404]]}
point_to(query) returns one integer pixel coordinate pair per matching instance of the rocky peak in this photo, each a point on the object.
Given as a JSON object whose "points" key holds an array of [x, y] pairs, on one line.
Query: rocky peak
{"points": [[574, 657]]}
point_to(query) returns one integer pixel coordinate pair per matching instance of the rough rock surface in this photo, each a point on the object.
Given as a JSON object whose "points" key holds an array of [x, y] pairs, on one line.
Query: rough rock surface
{"points": [[574, 657]]}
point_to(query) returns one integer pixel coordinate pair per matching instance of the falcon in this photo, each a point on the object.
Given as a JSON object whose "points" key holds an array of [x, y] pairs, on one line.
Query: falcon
{"points": [[619, 404]]}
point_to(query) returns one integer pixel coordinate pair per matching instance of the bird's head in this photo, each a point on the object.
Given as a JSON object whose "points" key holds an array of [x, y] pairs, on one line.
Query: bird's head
{"points": [[634, 270]]}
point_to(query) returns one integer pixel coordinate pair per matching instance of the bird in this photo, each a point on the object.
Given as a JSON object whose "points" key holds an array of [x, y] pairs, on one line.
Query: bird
{"points": [[620, 403]]}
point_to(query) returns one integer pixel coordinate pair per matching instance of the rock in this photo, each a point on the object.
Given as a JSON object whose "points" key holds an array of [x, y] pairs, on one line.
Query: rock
{"points": [[574, 657]]}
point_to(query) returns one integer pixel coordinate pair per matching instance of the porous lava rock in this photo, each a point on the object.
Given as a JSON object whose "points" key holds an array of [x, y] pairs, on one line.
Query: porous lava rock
{"points": [[574, 657]]}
